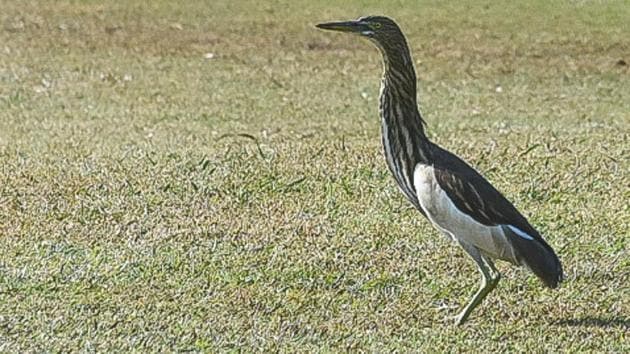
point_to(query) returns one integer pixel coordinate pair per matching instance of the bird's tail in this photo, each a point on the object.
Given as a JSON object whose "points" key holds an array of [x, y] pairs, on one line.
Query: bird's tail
{"points": [[539, 257]]}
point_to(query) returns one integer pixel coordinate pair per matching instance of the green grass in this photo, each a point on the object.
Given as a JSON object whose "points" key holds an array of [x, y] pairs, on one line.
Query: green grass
{"points": [[153, 199]]}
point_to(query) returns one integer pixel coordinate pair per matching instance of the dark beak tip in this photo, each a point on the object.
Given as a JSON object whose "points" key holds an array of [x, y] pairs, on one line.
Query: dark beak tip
{"points": [[326, 25], [346, 26]]}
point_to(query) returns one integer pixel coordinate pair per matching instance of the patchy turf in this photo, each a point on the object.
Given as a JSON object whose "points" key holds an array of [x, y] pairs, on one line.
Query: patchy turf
{"points": [[210, 177]]}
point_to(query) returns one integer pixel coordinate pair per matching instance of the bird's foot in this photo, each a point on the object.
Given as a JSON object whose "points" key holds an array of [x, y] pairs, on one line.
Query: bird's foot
{"points": [[462, 317], [458, 319]]}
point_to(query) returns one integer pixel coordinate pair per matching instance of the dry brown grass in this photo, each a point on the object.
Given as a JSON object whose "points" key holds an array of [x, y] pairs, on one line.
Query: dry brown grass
{"points": [[152, 199]]}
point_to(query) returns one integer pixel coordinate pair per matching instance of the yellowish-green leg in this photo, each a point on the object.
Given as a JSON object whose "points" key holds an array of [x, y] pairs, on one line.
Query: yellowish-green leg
{"points": [[488, 281]]}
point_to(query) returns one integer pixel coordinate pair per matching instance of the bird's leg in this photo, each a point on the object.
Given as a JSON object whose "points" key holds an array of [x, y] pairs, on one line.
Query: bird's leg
{"points": [[488, 282], [496, 276]]}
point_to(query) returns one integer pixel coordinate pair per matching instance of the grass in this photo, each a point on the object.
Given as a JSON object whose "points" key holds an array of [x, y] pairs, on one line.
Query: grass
{"points": [[154, 197]]}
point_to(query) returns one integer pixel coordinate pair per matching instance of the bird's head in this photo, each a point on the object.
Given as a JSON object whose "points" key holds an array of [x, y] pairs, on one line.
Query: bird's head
{"points": [[381, 30]]}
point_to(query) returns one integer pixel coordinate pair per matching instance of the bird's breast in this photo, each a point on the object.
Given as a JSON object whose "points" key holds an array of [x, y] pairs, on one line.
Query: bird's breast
{"points": [[445, 216]]}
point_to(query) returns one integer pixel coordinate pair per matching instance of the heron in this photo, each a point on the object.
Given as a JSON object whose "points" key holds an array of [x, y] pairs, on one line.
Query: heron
{"points": [[455, 198]]}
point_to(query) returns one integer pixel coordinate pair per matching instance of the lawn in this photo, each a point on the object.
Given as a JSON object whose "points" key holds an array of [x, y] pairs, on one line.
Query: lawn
{"points": [[209, 176]]}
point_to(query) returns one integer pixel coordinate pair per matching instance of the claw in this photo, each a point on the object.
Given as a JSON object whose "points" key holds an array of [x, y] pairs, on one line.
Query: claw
{"points": [[461, 318]]}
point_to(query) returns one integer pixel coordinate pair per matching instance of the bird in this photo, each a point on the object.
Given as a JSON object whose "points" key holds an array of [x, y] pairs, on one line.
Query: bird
{"points": [[455, 198]]}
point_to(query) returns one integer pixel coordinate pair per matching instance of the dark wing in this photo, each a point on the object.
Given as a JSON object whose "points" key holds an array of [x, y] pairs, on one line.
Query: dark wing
{"points": [[476, 197]]}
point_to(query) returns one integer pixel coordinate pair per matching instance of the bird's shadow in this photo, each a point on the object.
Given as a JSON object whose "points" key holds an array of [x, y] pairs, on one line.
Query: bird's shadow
{"points": [[589, 321]]}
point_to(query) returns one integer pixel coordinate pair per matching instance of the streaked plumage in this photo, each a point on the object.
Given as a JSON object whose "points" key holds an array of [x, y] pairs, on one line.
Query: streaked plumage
{"points": [[455, 198]]}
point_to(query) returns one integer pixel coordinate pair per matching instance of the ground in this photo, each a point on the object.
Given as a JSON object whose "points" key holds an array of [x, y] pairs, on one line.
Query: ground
{"points": [[209, 176]]}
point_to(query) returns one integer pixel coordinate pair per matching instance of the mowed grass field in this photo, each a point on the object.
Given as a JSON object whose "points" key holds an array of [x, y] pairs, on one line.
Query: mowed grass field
{"points": [[208, 176]]}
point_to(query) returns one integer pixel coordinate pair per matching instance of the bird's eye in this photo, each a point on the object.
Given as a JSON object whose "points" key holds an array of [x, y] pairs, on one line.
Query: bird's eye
{"points": [[376, 25]]}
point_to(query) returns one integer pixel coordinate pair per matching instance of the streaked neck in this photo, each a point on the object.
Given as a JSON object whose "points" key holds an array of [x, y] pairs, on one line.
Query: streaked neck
{"points": [[402, 129], [401, 119]]}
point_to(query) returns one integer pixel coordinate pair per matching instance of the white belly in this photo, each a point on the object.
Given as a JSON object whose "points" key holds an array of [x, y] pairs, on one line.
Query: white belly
{"points": [[445, 216]]}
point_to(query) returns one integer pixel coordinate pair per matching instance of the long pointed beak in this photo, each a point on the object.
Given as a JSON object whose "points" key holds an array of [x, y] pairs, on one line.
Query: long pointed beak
{"points": [[345, 26]]}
